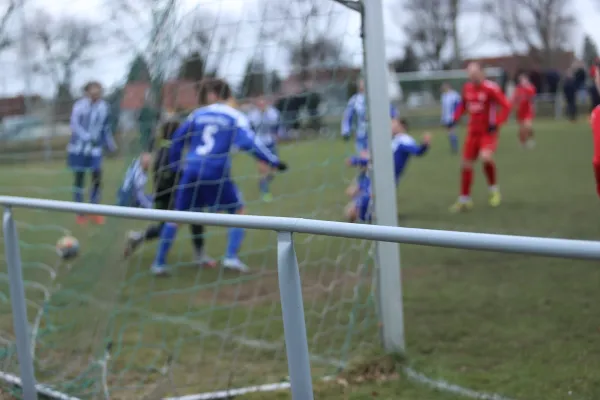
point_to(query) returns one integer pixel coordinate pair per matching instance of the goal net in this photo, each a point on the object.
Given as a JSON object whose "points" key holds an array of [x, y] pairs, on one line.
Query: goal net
{"points": [[104, 326]]}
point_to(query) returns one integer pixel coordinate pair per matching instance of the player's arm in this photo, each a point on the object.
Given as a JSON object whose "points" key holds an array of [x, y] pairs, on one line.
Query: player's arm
{"points": [[460, 109], [245, 140], [78, 130], [412, 147], [107, 134], [279, 129], [348, 118], [142, 198], [394, 112], [178, 141], [500, 99]]}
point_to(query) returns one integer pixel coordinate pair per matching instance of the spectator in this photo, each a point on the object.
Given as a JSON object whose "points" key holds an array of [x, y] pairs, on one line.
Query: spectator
{"points": [[313, 101], [593, 89], [570, 92]]}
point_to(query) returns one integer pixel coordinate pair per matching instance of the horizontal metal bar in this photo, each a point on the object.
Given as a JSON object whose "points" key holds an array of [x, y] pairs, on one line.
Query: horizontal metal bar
{"points": [[562, 248]]}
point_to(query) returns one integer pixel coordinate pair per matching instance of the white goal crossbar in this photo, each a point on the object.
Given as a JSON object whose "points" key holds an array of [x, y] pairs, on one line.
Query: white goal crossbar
{"points": [[296, 344]]}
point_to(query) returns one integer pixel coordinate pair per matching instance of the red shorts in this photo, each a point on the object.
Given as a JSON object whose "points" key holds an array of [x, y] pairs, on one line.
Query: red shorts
{"points": [[476, 142]]}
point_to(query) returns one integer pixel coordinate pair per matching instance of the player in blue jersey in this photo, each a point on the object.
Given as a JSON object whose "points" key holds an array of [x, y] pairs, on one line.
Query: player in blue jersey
{"points": [[450, 101], [403, 148], [210, 133], [265, 121], [90, 133], [131, 193], [355, 117]]}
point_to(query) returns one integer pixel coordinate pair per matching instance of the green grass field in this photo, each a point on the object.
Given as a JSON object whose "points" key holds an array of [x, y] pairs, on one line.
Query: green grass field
{"points": [[521, 326]]}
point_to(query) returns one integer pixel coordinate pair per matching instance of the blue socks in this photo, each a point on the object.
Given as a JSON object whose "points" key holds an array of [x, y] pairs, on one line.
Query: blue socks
{"points": [[453, 141], [95, 194], [265, 183], [78, 194], [235, 237], [167, 236]]}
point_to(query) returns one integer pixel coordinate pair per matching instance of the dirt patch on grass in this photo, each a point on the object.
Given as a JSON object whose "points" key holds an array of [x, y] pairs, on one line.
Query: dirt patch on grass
{"points": [[264, 288]]}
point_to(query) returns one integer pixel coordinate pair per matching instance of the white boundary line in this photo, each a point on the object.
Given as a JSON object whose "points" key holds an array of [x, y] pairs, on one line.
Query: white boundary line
{"points": [[43, 389]]}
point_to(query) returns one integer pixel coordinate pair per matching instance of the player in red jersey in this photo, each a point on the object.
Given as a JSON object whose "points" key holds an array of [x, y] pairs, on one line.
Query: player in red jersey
{"points": [[523, 102], [595, 122], [488, 108]]}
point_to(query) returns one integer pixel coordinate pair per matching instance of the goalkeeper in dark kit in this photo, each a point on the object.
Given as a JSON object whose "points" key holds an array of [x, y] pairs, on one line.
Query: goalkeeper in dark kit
{"points": [[165, 182]]}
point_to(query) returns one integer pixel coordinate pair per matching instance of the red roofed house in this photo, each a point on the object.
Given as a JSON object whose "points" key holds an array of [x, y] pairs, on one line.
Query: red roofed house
{"points": [[18, 105], [176, 95], [561, 61]]}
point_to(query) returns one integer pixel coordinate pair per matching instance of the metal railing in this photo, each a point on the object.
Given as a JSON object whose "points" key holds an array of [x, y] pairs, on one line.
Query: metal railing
{"points": [[290, 287]]}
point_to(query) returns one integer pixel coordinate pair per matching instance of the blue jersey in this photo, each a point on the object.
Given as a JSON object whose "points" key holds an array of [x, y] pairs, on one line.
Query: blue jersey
{"points": [[90, 133], [266, 125], [210, 133], [131, 193], [450, 101], [403, 147]]}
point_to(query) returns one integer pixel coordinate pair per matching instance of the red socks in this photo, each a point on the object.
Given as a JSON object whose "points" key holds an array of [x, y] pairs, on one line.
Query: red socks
{"points": [[489, 169], [466, 179]]}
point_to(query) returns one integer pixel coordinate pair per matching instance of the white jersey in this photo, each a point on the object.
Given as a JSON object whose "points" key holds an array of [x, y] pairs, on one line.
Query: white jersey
{"points": [[450, 101], [266, 124]]}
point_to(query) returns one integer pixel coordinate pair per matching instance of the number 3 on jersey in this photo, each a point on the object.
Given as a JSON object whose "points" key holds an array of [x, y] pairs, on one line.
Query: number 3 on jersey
{"points": [[208, 137]]}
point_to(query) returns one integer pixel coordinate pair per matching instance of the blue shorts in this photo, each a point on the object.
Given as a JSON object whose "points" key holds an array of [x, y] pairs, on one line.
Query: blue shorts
{"points": [[84, 162], [362, 202], [193, 194]]}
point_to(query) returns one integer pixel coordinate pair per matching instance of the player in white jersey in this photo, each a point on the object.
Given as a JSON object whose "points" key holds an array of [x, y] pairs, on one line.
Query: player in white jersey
{"points": [[355, 116], [266, 122], [450, 101], [131, 193]]}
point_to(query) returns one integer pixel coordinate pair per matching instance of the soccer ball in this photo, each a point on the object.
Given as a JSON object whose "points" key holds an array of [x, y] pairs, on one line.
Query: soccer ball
{"points": [[67, 247]]}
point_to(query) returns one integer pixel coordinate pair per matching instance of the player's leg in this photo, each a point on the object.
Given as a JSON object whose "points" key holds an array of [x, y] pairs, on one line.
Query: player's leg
{"points": [[351, 211], [78, 192], [96, 192], [453, 138], [529, 136], [201, 257], [470, 154], [135, 238], [228, 198], [185, 195], [267, 175], [488, 148]]}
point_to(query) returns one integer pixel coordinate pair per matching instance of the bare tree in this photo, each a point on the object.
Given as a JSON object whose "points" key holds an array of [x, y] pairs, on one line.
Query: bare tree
{"points": [[148, 26], [65, 45], [537, 27], [306, 29], [208, 35], [7, 12], [432, 27]]}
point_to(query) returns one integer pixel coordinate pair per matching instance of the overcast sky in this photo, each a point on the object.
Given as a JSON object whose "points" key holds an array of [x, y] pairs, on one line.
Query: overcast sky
{"points": [[111, 59]]}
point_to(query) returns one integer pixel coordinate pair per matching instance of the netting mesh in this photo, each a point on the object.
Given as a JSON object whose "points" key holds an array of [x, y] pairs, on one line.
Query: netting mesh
{"points": [[104, 325]]}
